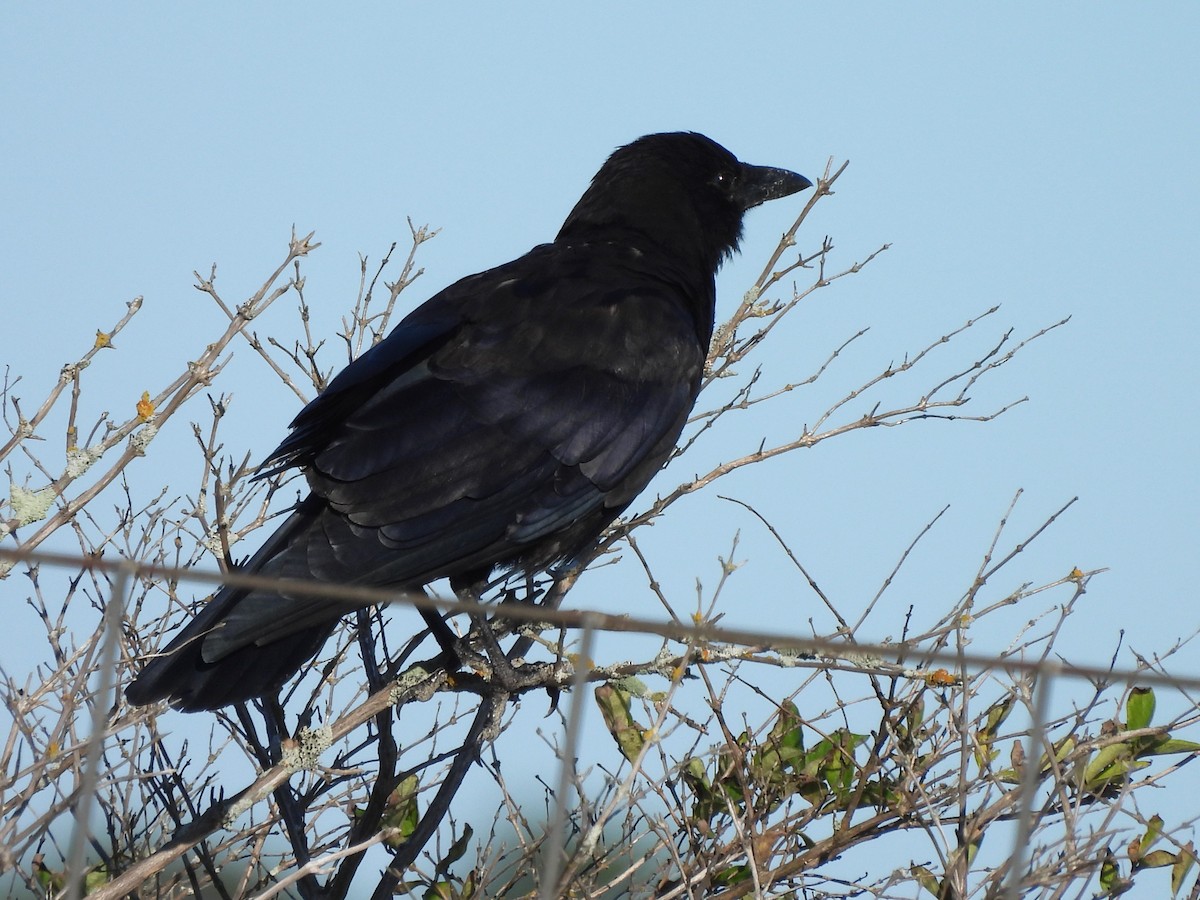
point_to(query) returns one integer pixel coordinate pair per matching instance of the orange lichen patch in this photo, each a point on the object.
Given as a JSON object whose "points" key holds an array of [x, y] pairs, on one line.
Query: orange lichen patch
{"points": [[145, 409]]}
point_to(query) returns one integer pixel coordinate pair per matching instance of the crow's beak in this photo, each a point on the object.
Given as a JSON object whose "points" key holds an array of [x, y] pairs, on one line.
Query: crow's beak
{"points": [[762, 183]]}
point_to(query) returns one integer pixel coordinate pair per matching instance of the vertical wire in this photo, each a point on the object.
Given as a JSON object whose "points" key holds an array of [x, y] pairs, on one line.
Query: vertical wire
{"points": [[1029, 778], [102, 704], [554, 842]]}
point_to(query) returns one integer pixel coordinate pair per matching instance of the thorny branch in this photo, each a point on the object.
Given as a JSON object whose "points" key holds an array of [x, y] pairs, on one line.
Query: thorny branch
{"points": [[142, 427]]}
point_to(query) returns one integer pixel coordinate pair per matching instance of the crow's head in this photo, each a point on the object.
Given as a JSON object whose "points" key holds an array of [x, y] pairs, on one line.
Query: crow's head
{"points": [[682, 191]]}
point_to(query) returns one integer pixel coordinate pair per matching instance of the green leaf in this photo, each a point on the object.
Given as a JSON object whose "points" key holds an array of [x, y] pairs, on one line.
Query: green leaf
{"points": [[815, 759], [457, 849], [400, 814], [786, 732], [732, 875], [986, 735], [782, 751], [996, 715], [1118, 772], [927, 880], [1157, 859], [615, 707], [914, 716], [1151, 837], [907, 725], [1185, 859], [1111, 881], [1109, 873], [984, 753], [1161, 746], [707, 803], [633, 685], [1062, 749], [828, 768], [882, 794], [1104, 764], [96, 878], [693, 773], [1139, 708], [839, 770], [52, 881]]}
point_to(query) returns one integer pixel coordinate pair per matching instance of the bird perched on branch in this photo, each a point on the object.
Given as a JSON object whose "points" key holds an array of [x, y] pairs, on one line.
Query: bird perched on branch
{"points": [[504, 422]]}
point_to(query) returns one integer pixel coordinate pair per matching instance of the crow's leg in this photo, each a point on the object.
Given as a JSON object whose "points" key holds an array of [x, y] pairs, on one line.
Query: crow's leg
{"points": [[451, 646]]}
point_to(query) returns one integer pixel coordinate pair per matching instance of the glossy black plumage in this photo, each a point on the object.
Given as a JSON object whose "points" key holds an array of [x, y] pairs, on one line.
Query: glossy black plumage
{"points": [[506, 421]]}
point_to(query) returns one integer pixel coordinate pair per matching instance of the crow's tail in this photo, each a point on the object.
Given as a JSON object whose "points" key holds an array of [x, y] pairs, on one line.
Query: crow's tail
{"points": [[199, 669]]}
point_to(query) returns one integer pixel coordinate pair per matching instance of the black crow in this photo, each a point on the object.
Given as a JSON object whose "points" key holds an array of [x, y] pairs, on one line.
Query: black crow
{"points": [[504, 422]]}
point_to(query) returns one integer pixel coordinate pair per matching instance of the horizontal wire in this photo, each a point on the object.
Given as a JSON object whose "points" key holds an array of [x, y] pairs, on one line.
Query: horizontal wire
{"points": [[358, 596]]}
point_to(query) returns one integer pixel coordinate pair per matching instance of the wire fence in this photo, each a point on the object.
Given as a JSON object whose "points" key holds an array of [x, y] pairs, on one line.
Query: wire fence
{"points": [[714, 641]]}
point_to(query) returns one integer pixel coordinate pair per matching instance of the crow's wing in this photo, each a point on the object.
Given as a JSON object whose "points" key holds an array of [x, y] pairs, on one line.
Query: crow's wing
{"points": [[510, 417]]}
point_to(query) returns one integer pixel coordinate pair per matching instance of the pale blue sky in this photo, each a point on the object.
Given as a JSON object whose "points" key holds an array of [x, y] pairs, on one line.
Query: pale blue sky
{"points": [[1039, 156]]}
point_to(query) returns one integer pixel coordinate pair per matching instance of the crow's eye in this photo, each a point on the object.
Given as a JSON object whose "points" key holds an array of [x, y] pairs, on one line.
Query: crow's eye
{"points": [[726, 181]]}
